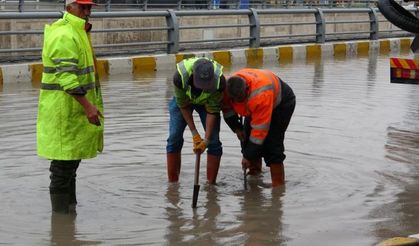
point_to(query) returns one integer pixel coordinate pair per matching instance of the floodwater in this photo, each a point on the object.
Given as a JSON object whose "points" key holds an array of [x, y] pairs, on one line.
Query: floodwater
{"points": [[352, 173]]}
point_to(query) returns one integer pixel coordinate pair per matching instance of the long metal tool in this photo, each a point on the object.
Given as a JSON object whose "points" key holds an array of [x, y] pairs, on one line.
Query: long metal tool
{"points": [[244, 178], [196, 181], [242, 146]]}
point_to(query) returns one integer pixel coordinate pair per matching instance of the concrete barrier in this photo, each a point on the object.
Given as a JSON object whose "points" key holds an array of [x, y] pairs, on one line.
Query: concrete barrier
{"points": [[32, 72]]}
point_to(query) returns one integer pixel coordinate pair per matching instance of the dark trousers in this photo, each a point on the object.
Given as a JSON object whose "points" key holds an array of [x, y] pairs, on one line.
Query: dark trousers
{"points": [[177, 127], [273, 146], [63, 177]]}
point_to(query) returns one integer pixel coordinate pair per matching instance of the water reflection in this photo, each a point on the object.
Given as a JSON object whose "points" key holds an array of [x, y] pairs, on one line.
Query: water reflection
{"points": [[174, 215], [206, 226], [63, 231], [198, 229], [318, 78], [261, 214], [372, 71]]}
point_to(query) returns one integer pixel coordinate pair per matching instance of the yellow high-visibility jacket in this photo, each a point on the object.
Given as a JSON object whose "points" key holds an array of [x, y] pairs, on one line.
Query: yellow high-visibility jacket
{"points": [[63, 130], [212, 101]]}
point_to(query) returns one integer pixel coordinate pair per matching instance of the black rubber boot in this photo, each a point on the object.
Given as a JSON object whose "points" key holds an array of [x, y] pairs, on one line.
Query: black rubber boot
{"points": [[59, 203], [73, 199], [63, 185], [72, 190], [72, 196]]}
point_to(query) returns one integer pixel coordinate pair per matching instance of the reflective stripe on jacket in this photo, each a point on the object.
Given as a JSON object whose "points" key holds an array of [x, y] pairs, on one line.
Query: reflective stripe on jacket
{"points": [[264, 94], [63, 130], [184, 68]]}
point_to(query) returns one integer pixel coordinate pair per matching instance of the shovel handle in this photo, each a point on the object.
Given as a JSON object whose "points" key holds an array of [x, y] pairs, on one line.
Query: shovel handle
{"points": [[195, 195], [196, 181], [244, 178], [197, 161]]}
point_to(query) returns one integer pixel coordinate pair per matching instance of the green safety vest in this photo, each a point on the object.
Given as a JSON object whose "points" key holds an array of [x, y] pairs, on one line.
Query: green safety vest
{"points": [[185, 70], [63, 130]]}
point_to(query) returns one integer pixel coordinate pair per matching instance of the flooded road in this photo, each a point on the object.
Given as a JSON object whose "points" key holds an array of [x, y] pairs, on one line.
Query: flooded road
{"points": [[352, 173]]}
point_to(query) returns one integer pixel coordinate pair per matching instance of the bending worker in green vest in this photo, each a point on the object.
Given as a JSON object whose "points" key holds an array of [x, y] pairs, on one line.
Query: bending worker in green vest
{"points": [[198, 85], [70, 122]]}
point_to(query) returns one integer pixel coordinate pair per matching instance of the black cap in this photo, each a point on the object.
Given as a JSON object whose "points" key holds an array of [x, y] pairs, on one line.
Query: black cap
{"points": [[203, 74]]}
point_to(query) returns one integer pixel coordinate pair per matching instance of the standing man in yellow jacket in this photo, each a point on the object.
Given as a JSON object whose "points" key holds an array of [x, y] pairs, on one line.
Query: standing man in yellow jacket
{"points": [[70, 121]]}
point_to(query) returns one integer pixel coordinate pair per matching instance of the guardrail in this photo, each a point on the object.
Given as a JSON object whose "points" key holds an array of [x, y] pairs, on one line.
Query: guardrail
{"points": [[142, 32], [132, 5]]}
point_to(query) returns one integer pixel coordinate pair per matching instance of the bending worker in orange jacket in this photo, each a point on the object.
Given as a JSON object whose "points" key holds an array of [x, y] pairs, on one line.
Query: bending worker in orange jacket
{"points": [[267, 103]]}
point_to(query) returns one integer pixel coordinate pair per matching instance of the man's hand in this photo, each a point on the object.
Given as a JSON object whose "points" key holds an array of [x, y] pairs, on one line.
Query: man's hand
{"points": [[200, 148], [196, 139], [93, 114], [90, 110], [246, 163]]}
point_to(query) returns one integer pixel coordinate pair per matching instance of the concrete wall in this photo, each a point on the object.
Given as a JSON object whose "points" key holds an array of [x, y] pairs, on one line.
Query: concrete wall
{"points": [[21, 41]]}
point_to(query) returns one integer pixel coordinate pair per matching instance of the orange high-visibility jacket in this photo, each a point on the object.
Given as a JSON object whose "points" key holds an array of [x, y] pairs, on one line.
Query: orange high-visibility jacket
{"points": [[263, 95]]}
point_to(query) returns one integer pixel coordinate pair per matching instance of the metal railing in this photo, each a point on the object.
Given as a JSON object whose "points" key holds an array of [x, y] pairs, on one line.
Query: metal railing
{"points": [[144, 32], [132, 5]]}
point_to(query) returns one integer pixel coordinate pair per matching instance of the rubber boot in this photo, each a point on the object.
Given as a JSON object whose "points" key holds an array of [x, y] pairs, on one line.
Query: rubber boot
{"points": [[72, 196], [213, 164], [60, 202], [277, 174], [173, 166], [255, 167]]}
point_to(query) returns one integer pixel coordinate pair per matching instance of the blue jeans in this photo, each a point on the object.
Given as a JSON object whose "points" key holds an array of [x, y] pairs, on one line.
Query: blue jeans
{"points": [[177, 127]]}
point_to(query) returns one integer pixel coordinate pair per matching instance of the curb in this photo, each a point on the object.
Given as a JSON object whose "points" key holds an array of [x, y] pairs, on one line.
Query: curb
{"points": [[32, 72]]}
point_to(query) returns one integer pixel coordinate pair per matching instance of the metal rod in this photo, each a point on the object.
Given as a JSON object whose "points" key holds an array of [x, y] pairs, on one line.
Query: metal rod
{"points": [[244, 179], [196, 181]]}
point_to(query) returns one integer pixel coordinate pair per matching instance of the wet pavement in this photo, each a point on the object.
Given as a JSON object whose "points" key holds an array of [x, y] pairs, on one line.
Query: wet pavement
{"points": [[351, 168]]}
